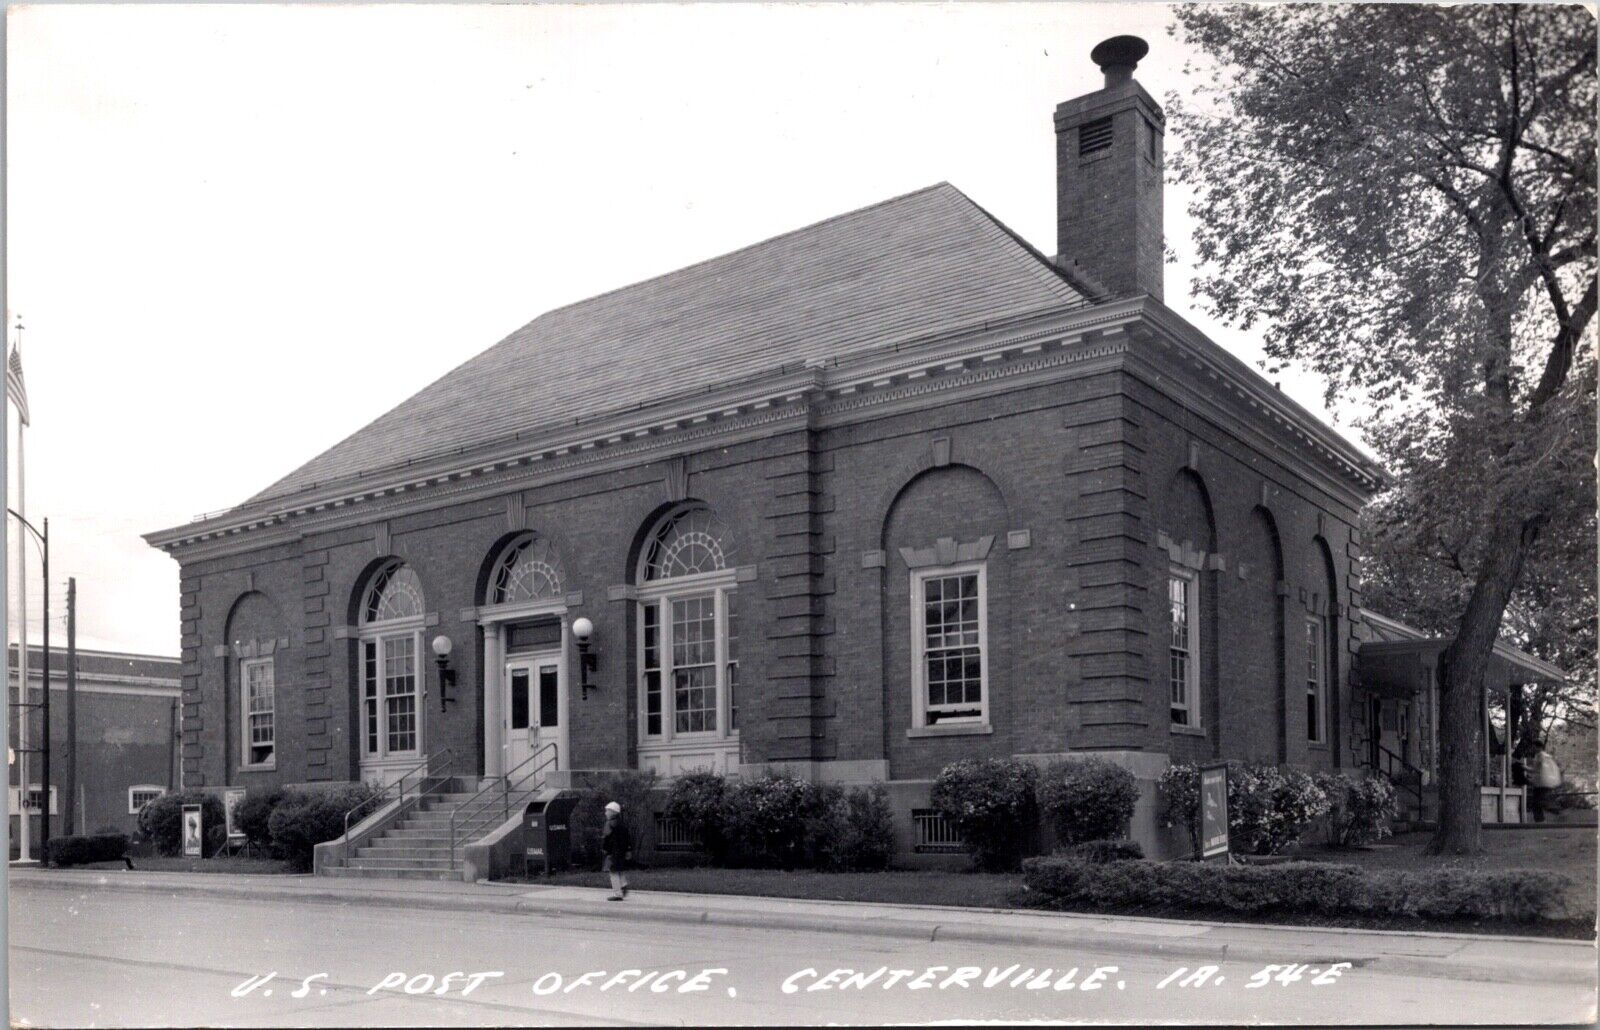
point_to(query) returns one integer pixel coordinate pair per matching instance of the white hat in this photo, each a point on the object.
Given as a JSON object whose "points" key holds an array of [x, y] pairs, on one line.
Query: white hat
{"points": [[614, 807]]}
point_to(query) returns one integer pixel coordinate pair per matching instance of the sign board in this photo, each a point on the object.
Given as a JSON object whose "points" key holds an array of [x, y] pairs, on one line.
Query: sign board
{"points": [[1214, 811], [192, 831], [231, 800]]}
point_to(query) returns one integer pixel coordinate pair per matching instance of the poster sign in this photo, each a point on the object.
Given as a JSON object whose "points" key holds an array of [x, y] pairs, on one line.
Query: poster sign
{"points": [[192, 827], [231, 800], [1214, 811]]}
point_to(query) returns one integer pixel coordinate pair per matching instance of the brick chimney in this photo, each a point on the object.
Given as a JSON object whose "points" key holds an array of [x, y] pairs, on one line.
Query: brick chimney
{"points": [[1108, 178]]}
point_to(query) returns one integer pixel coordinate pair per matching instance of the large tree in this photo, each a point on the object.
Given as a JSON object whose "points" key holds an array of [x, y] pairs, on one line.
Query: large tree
{"points": [[1403, 197]]}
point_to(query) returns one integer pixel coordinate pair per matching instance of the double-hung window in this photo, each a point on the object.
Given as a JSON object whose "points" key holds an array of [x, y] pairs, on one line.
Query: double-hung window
{"points": [[258, 705], [391, 643], [949, 642], [688, 671], [1316, 677], [1183, 656], [688, 632]]}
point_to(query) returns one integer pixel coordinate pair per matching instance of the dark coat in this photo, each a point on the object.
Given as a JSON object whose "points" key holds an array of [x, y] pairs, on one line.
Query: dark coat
{"points": [[617, 845]]}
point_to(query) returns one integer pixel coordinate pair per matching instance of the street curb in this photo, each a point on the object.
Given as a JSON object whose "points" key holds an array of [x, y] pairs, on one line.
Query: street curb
{"points": [[927, 931]]}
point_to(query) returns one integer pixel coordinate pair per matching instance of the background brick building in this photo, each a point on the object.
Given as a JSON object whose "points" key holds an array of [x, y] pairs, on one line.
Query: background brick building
{"points": [[127, 738], [857, 501]]}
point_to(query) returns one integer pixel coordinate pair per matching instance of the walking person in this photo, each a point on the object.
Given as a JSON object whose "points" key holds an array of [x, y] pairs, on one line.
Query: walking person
{"points": [[618, 848], [1544, 776]]}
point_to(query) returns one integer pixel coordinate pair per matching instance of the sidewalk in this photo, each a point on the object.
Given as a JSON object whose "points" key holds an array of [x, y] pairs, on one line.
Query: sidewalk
{"points": [[1449, 956]]}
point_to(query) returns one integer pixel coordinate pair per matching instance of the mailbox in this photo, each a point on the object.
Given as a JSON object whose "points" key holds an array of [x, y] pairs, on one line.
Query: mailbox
{"points": [[547, 833]]}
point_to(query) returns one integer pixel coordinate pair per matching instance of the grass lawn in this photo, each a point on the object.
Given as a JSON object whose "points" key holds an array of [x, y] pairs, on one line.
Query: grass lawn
{"points": [[1569, 851], [920, 887], [180, 864]]}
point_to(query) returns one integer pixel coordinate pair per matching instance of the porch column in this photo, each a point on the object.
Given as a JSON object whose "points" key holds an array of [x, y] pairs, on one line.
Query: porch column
{"points": [[494, 744]]}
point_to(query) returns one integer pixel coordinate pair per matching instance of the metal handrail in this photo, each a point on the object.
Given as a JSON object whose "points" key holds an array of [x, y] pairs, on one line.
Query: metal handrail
{"points": [[440, 761], [1412, 783], [463, 820]]}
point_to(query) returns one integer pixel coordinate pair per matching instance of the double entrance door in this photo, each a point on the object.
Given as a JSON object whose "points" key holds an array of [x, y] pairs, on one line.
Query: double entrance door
{"points": [[535, 704]]}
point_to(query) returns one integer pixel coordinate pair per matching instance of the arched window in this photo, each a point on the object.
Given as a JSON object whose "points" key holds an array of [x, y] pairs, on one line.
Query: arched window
{"points": [[686, 543], [528, 571], [688, 633], [395, 593], [392, 612]]}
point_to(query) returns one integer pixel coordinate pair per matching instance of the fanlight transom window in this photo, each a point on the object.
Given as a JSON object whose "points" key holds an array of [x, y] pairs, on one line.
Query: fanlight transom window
{"points": [[395, 593], [530, 570], [686, 543]]}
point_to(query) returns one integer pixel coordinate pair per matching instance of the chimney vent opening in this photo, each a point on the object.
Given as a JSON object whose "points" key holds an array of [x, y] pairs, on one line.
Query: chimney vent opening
{"points": [[1094, 136]]}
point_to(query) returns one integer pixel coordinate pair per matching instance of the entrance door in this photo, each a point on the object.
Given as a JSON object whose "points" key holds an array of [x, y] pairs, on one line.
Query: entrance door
{"points": [[1374, 722], [536, 706]]}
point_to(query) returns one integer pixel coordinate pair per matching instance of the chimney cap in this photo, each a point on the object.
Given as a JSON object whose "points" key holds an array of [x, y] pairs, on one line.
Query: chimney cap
{"points": [[1118, 56]]}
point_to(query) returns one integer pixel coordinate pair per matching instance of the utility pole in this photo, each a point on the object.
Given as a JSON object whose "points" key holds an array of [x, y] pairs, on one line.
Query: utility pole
{"points": [[44, 710], [69, 807]]}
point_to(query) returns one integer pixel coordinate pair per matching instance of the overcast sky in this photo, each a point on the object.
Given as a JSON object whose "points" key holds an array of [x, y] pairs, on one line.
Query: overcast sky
{"points": [[239, 233]]}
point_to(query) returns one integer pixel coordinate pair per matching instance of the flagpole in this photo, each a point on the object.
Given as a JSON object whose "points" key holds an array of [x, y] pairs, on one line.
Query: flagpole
{"points": [[24, 830]]}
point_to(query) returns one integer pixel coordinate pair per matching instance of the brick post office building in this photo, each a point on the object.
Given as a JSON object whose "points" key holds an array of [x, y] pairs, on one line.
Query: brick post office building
{"points": [[886, 491]]}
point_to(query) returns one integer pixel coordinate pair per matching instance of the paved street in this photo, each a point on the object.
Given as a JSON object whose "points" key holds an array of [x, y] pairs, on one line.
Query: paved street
{"points": [[93, 955]]}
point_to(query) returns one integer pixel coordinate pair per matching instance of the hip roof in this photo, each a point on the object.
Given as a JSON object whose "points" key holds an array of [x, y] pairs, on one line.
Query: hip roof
{"points": [[906, 267]]}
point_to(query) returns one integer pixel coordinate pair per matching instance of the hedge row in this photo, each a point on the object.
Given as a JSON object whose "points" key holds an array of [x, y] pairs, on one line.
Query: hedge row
{"points": [[81, 850], [784, 822], [1270, 808], [1517, 895], [286, 822], [302, 819], [996, 804]]}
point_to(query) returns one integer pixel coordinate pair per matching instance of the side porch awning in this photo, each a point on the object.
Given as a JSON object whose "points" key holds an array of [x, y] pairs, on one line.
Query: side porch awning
{"points": [[1396, 660]]}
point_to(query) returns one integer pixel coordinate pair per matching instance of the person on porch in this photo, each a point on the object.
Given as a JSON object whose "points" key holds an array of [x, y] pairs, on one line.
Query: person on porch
{"points": [[617, 846], [1544, 776]]}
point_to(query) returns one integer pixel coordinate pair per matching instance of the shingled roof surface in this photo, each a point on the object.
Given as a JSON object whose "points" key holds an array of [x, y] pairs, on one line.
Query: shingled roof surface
{"points": [[904, 268]]}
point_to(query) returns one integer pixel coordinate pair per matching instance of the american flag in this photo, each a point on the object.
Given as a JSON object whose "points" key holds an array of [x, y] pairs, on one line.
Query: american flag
{"points": [[14, 387]]}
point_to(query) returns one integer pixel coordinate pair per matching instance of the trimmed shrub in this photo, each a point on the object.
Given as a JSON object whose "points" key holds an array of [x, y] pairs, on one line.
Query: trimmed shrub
{"points": [[1099, 852], [254, 813], [765, 819], [1517, 895], [161, 821], [1088, 799], [81, 850], [1360, 809], [991, 802], [632, 791], [303, 819], [852, 830], [1268, 808], [695, 801]]}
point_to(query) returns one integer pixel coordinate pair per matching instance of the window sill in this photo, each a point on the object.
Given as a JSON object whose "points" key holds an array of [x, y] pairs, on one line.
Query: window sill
{"points": [[260, 767], [689, 740], [969, 730], [1189, 731]]}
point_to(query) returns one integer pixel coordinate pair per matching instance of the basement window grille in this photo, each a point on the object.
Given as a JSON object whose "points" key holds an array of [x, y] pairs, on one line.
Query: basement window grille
{"points": [[672, 835], [1094, 136], [934, 833]]}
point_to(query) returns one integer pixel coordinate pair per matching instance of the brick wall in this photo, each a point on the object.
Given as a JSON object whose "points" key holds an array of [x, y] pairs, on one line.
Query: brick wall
{"points": [[1075, 480]]}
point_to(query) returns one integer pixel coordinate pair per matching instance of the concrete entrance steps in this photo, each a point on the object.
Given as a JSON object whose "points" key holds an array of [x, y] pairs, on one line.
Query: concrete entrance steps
{"points": [[417, 847]]}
